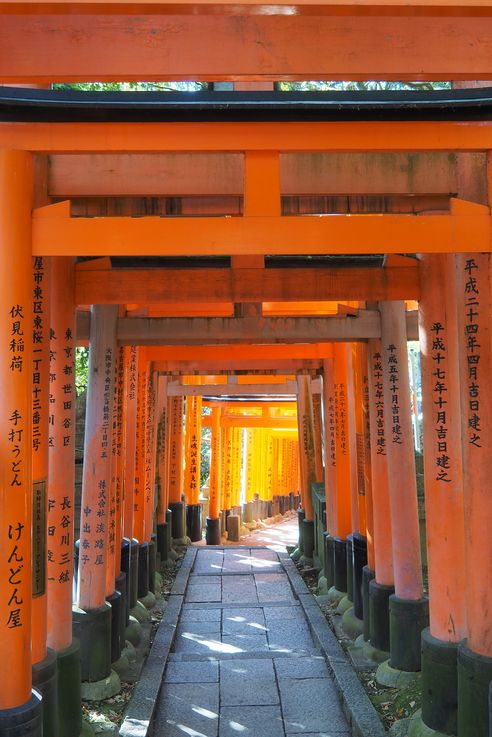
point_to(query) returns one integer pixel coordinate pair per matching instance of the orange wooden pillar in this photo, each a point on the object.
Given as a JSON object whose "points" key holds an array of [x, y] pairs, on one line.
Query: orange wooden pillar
{"points": [[343, 497], [237, 465], [92, 617], [212, 534], [139, 495], [443, 475], [175, 467], [16, 441], [318, 438], [113, 595], [408, 606], [60, 492], [382, 587], [361, 541], [307, 466], [475, 351], [192, 467], [163, 529], [44, 660], [129, 560], [150, 475], [326, 580]]}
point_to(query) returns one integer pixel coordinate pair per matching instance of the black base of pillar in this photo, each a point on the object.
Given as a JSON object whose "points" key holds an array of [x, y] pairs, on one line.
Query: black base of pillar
{"points": [[367, 577], [329, 568], [152, 563], [134, 551], [291, 500], [115, 601], [92, 628], [212, 533], [308, 541], [23, 721], [120, 585], [359, 560], [379, 620], [407, 620], [474, 676], [161, 541], [340, 564], [177, 520], [45, 681], [269, 509], [125, 570], [69, 701], [350, 568], [300, 521], [439, 684], [143, 570], [169, 537], [194, 522]]}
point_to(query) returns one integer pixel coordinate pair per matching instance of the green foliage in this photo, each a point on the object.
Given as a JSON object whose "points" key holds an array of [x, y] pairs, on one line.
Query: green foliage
{"points": [[81, 369], [361, 86], [133, 86]]}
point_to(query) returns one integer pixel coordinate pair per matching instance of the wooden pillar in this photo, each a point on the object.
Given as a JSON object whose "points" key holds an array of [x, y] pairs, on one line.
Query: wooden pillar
{"points": [[43, 662], [382, 587], [318, 438], [92, 620], [213, 521], [163, 534], [443, 475], [330, 469], [361, 541], [408, 607], [131, 392], [306, 462], [192, 467], [249, 470], [175, 467], [16, 441], [140, 430], [237, 467], [475, 351]]}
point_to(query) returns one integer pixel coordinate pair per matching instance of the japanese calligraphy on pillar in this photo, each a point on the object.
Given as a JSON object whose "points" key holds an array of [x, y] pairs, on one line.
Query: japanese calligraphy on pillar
{"points": [[377, 380], [473, 329], [341, 416], [438, 356], [394, 409]]}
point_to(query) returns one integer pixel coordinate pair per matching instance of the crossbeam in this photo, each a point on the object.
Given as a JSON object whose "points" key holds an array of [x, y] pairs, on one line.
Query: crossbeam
{"points": [[347, 136], [288, 388], [183, 286], [56, 233], [205, 41], [231, 366], [214, 330]]}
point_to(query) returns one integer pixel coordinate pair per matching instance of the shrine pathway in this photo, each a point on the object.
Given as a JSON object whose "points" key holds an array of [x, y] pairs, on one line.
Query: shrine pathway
{"points": [[244, 661]]}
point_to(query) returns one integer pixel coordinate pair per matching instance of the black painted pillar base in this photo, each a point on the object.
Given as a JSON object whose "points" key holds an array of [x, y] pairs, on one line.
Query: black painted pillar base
{"points": [[340, 564], [23, 721], [367, 576], [329, 544], [177, 520], [308, 542], [152, 563], [115, 601], [134, 552], [379, 621], [350, 568], [439, 684], [212, 533], [143, 570], [161, 541], [269, 509], [299, 551], [120, 585], [92, 628], [194, 522], [359, 560], [125, 571], [474, 676], [45, 681], [69, 700], [291, 500], [407, 620], [171, 553]]}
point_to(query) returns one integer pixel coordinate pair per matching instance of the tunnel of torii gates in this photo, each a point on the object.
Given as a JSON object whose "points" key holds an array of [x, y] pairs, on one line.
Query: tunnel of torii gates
{"points": [[301, 362]]}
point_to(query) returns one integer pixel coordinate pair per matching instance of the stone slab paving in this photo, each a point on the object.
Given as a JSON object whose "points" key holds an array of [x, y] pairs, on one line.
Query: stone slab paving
{"points": [[243, 661]]}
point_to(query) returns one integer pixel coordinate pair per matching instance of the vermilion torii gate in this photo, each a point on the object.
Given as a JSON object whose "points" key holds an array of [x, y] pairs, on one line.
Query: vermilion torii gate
{"points": [[243, 190]]}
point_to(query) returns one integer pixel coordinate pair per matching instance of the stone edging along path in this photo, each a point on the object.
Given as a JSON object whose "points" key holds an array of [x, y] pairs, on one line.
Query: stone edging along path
{"points": [[360, 715]]}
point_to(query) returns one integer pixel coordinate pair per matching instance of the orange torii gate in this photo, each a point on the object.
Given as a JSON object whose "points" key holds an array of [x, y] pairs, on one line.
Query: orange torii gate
{"points": [[436, 41]]}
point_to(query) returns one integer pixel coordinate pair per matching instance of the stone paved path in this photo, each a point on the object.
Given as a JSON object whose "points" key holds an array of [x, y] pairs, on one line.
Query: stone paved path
{"points": [[244, 663]]}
